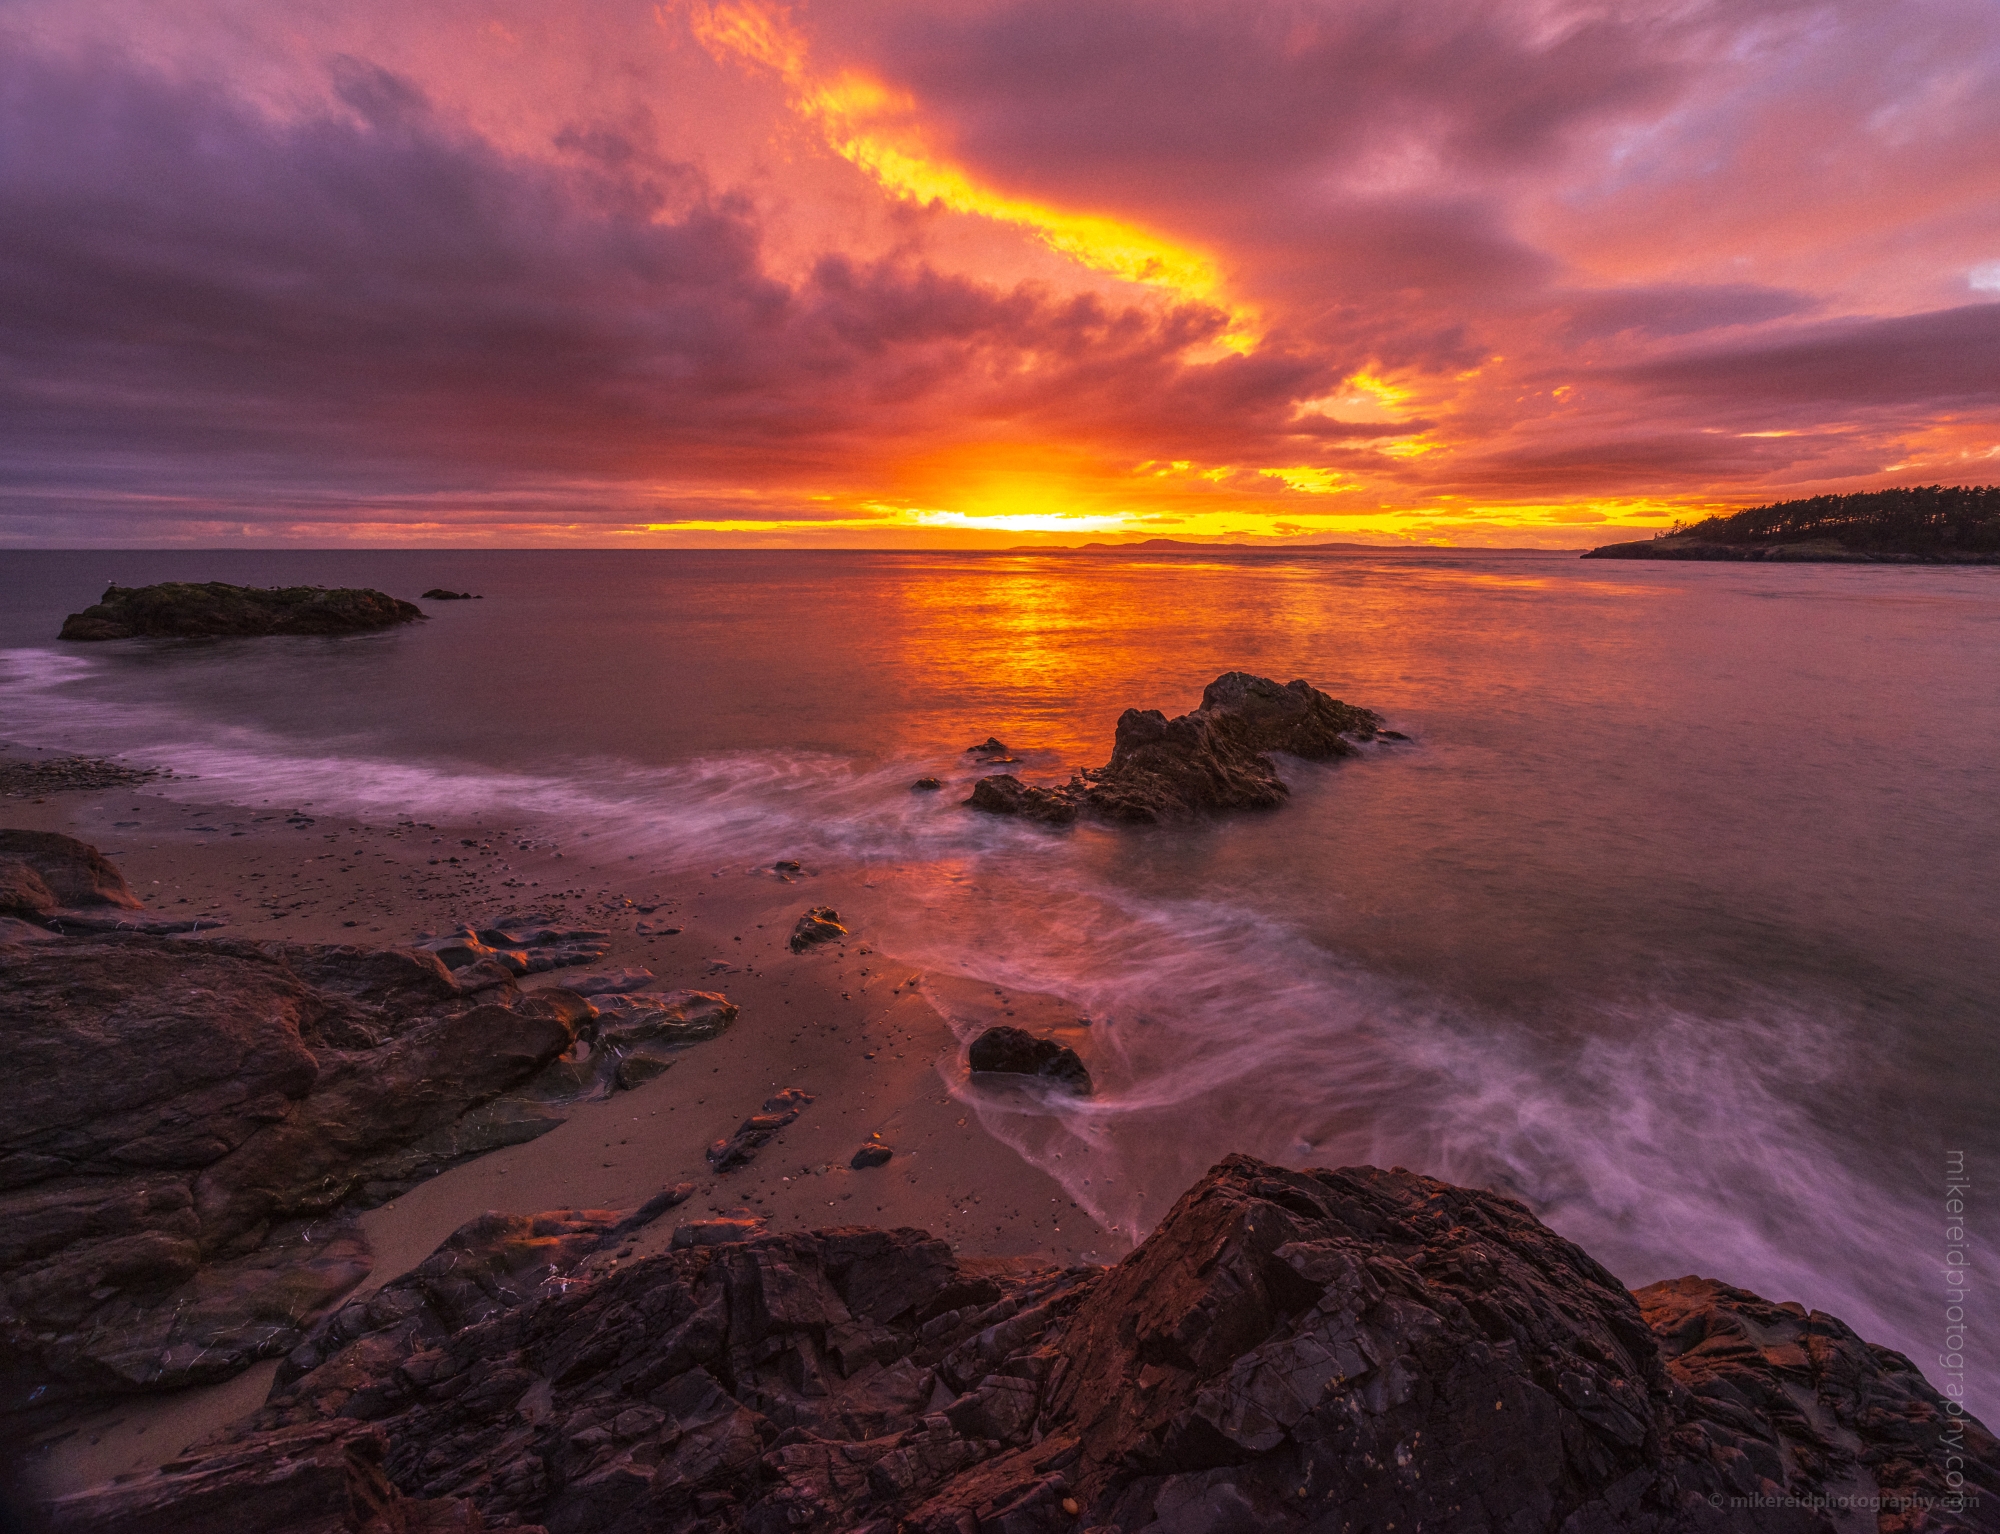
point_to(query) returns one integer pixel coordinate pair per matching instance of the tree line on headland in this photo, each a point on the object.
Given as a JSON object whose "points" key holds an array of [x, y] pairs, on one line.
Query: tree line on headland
{"points": [[1914, 522]]}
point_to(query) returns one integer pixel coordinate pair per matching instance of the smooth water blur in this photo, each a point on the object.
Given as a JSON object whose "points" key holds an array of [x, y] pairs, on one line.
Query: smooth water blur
{"points": [[1677, 918]]}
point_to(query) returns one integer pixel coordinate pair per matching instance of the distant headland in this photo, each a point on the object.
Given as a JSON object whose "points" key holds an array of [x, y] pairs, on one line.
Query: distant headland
{"points": [[1918, 524]]}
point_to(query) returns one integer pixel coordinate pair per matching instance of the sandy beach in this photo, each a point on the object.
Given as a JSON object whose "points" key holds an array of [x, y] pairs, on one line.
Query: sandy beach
{"points": [[877, 1042]]}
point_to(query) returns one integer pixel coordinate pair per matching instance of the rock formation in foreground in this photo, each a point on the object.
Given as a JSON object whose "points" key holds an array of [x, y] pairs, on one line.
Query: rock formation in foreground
{"points": [[189, 610], [1312, 1351], [1212, 759], [185, 1125], [63, 885]]}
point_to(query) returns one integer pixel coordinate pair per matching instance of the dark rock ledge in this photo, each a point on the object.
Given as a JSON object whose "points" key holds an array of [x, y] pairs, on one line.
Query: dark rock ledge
{"points": [[187, 1126], [1215, 758], [1291, 1351], [211, 609]]}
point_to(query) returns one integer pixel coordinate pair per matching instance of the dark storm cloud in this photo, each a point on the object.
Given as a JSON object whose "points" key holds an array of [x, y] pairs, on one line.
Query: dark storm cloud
{"points": [[1948, 356], [1678, 309], [182, 276], [1184, 102]]}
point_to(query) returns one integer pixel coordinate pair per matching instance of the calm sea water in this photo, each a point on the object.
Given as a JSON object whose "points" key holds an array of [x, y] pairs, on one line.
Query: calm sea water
{"points": [[1680, 918]]}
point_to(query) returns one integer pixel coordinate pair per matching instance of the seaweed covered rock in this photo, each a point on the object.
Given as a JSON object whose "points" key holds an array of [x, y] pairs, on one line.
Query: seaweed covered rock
{"points": [[212, 609], [1216, 758], [1291, 1351]]}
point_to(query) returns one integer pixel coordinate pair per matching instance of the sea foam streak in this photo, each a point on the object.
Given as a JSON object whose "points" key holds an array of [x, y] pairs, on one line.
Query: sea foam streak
{"points": [[1671, 1138]]}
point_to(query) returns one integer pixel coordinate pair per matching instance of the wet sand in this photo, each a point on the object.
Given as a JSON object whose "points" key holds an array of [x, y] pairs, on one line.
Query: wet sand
{"points": [[876, 1041]]}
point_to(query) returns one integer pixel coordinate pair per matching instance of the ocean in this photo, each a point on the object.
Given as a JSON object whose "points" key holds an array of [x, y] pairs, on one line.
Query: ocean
{"points": [[1678, 917]]}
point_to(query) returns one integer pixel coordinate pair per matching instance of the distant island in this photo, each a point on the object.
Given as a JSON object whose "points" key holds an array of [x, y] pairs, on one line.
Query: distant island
{"points": [[211, 609], [1918, 524]]}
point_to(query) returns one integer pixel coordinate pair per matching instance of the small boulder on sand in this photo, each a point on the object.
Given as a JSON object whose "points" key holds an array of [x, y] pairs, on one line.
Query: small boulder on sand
{"points": [[819, 925], [1017, 1052]]}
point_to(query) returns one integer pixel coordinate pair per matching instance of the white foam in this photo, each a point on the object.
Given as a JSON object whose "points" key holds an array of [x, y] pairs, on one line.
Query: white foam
{"points": [[1663, 1136]]}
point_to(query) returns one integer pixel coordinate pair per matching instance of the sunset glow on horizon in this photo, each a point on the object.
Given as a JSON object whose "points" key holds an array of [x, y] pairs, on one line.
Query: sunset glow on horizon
{"points": [[734, 272]]}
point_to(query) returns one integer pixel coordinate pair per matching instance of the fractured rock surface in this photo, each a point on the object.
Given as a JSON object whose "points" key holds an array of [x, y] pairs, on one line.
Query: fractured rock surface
{"points": [[819, 925], [183, 1122], [1212, 759], [518, 947], [1290, 1351]]}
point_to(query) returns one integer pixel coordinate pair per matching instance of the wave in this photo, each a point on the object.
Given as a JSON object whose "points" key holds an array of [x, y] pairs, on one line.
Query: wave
{"points": [[1664, 1138], [1664, 1133]]}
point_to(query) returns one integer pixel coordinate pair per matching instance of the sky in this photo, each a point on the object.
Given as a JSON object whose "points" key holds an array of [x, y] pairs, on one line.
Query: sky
{"points": [[986, 273]]}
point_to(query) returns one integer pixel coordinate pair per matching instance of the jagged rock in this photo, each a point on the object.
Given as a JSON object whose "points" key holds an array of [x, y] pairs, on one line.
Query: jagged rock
{"points": [[632, 1037], [819, 925], [488, 1265], [1779, 1396], [1212, 759], [323, 1478], [1005, 794], [755, 1132], [185, 609], [926, 786], [1017, 1052], [439, 594], [74, 872], [1290, 1351], [163, 1221]]}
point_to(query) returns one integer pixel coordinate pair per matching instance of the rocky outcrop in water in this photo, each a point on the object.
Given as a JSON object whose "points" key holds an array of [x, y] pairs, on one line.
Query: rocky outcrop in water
{"points": [[211, 609], [183, 1123], [1216, 758], [1290, 1351]]}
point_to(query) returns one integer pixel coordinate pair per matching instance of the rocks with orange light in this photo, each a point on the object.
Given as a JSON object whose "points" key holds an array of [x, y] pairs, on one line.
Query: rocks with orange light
{"points": [[184, 1125], [1291, 1352], [1216, 758], [819, 925]]}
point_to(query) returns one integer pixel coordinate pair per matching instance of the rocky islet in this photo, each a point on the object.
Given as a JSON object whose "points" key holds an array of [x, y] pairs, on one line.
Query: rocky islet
{"points": [[1214, 759], [214, 609]]}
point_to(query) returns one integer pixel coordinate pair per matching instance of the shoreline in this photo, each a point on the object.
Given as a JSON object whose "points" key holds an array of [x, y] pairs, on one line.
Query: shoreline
{"points": [[876, 1041]]}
